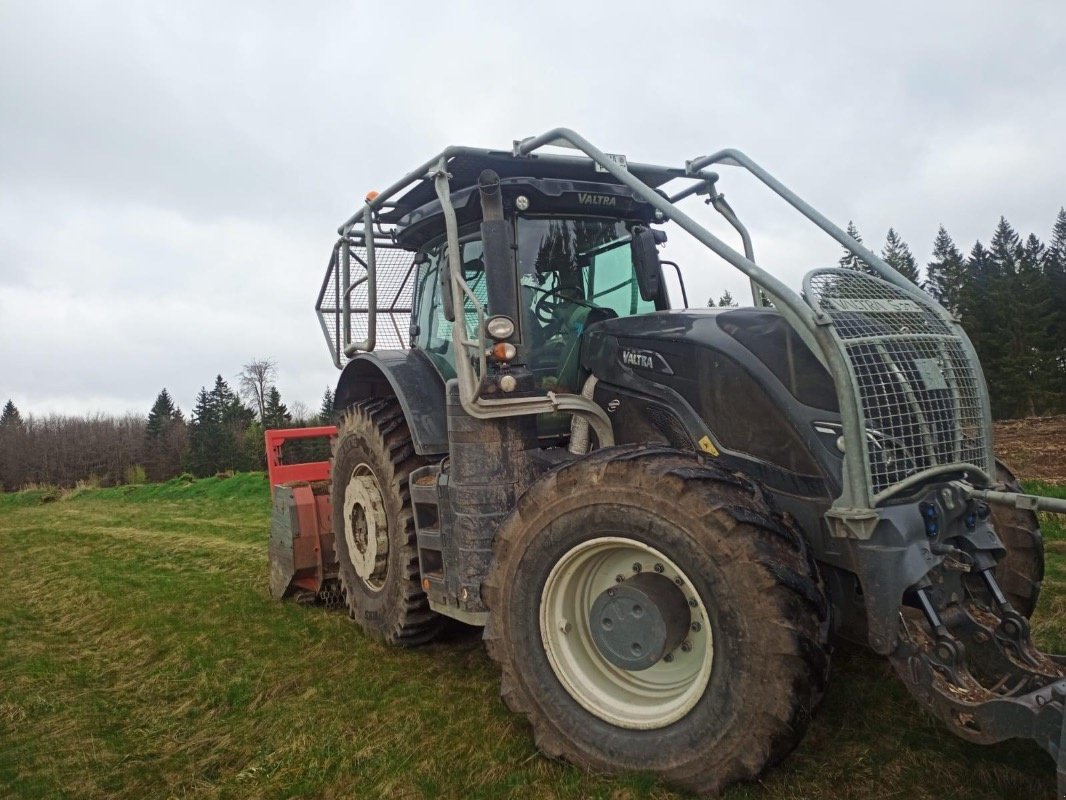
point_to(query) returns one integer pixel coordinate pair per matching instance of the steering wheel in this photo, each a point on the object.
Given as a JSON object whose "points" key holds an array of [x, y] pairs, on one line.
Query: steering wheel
{"points": [[546, 314]]}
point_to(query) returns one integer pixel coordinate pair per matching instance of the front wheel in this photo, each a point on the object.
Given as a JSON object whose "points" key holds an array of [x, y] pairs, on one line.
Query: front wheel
{"points": [[650, 613], [373, 525]]}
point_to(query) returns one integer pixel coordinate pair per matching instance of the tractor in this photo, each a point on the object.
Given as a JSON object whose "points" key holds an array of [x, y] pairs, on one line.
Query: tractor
{"points": [[661, 517]]}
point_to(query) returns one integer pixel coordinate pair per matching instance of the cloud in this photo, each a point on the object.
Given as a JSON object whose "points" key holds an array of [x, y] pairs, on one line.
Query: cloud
{"points": [[171, 175]]}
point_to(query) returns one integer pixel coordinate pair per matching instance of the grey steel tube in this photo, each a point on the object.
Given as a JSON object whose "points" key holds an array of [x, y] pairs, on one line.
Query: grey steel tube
{"points": [[1032, 502]]}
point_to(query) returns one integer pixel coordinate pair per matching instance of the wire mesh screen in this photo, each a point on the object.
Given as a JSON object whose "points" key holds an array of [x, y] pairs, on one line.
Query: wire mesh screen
{"points": [[920, 392], [395, 287]]}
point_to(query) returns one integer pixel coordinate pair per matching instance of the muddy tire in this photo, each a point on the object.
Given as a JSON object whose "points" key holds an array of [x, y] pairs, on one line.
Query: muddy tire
{"points": [[373, 525], [735, 697], [1021, 571]]}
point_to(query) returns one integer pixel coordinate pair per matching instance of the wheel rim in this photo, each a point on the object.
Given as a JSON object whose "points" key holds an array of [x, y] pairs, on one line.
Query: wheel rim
{"points": [[650, 698], [366, 530]]}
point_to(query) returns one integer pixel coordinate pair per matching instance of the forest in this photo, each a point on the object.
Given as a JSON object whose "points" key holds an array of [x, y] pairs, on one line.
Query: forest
{"points": [[1009, 295]]}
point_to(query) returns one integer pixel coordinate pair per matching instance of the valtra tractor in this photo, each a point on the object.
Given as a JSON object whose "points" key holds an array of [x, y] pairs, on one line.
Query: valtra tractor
{"points": [[659, 516]]}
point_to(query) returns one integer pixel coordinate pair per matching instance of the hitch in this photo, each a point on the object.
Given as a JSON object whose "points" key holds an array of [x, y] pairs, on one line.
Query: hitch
{"points": [[974, 665]]}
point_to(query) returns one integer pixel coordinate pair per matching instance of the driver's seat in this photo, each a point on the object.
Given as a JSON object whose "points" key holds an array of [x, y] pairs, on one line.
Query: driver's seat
{"points": [[570, 363]]}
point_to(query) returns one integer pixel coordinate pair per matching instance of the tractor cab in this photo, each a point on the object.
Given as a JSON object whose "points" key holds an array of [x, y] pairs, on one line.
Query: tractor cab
{"points": [[571, 272]]}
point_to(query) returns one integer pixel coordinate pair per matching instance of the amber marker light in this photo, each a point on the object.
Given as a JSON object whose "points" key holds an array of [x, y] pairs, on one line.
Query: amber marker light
{"points": [[503, 351], [371, 196]]}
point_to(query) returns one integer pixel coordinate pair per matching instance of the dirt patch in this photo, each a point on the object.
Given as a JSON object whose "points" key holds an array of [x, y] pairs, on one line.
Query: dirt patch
{"points": [[1034, 448]]}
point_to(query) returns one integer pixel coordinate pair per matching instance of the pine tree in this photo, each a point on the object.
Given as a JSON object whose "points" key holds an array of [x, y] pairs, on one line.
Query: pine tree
{"points": [[13, 450], [851, 261], [275, 413], [202, 458], [233, 448], [946, 273], [726, 300], [898, 256], [1005, 249], [165, 439], [161, 416], [325, 414], [10, 416], [1055, 270]]}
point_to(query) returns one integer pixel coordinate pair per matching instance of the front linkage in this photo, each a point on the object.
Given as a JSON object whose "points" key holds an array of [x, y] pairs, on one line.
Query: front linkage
{"points": [[959, 645], [980, 673]]}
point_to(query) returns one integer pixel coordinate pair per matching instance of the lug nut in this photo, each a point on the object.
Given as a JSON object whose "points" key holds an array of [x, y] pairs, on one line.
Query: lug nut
{"points": [[686, 646], [696, 627], [637, 567], [692, 602], [659, 568], [668, 657], [678, 581], [619, 578], [610, 592]]}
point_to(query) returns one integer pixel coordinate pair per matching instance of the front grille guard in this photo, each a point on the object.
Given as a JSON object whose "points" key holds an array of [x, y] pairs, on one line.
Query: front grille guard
{"points": [[920, 390]]}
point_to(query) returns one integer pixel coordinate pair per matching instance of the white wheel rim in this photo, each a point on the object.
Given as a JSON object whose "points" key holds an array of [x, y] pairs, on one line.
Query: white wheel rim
{"points": [[366, 529], [651, 698]]}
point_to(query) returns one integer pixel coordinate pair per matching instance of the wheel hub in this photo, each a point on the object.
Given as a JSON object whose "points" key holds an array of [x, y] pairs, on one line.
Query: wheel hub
{"points": [[366, 529], [637, 622]]}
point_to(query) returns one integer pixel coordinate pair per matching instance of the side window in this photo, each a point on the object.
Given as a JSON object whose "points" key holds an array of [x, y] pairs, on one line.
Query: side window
{"points": [[434, 330], [611, 283]]}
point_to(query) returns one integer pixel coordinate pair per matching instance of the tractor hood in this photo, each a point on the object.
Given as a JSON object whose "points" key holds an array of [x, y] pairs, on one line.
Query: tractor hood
{"points": [[741, 379]]}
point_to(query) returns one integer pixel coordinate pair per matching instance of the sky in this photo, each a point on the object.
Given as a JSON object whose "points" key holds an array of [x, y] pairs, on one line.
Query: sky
{"points": [[172, 174]]}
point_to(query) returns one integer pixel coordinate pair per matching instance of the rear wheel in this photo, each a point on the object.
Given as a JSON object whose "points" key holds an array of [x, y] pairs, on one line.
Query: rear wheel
{"points": [[373, 526], [650, 613], [1021, 571]]}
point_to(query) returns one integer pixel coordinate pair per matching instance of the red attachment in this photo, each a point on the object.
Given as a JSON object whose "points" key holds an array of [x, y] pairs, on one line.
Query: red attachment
{"points": [[284, 473]]}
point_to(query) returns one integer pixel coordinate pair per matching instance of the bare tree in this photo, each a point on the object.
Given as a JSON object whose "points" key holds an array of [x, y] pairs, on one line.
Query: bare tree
{"points": [[255, 380]]}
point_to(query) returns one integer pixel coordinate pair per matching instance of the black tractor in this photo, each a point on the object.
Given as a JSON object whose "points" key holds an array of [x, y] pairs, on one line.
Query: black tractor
{"points": [[661, 516]]}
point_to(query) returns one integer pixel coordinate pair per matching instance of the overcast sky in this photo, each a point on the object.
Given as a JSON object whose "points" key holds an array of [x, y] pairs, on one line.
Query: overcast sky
{"points": [[171, 175]]}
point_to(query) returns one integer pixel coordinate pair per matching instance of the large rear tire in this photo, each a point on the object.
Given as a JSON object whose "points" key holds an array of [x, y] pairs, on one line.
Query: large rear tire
{"points": [[1021, 571], [734, 697], [373, 525]]}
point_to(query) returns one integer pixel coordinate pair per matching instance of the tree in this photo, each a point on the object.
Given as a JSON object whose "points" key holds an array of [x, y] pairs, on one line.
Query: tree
{"points": [[254, 382], [166, 439], [851, 261], [202, 456], [946, 272], [10, 416], [898, 256], [1055, 270], [218, 435], [12, 448], [325, 414], [162, 414], [276, 415], [726, 300]]}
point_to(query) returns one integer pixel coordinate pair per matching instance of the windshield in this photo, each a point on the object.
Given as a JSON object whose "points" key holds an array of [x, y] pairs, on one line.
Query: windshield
{"points": [[573, 273]]}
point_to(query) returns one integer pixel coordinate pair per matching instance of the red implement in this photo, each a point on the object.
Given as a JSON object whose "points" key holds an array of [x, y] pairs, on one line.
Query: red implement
{"points": [[303, 563]]}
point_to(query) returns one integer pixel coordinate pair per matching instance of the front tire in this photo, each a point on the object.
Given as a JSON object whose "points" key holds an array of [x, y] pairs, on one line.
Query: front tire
{"points": [[373, 525], [731, 688]]}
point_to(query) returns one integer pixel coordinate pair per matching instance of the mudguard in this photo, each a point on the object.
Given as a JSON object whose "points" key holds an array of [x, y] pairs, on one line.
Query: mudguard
{"points": [[410, 377]]}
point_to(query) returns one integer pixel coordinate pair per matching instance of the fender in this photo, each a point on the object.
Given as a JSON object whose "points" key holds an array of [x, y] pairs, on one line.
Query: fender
{"points": [[412, 379]]}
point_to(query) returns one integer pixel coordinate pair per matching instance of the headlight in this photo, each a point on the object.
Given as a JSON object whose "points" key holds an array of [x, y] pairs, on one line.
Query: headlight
{"points": [[500, 328]]}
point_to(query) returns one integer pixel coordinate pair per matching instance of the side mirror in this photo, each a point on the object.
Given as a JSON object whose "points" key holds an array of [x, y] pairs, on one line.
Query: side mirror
{"points": [[646, 266]]}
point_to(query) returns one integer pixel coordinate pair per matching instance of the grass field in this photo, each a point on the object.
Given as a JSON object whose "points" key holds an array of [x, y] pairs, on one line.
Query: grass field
{"points": [[142, 657]]}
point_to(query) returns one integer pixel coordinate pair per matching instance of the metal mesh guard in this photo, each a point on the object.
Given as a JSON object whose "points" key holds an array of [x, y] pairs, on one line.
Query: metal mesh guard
{"points": [[395, 287], [920, 394]]}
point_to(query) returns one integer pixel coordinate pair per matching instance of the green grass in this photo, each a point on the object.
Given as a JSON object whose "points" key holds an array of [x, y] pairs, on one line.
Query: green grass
{"points": [[142, 657]]}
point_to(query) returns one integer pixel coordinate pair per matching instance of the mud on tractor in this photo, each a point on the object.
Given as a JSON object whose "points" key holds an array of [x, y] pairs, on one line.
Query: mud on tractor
{"points": [[660, 516]]}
